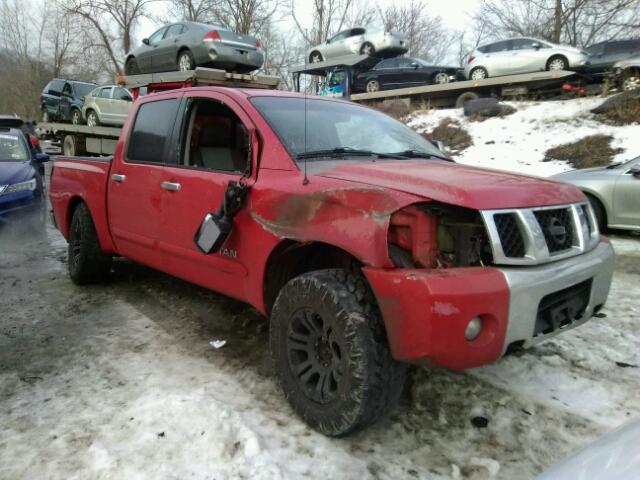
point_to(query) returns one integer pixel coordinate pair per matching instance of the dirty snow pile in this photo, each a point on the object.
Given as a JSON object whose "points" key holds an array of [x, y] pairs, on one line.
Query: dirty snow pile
{"points": [[519, 141]]}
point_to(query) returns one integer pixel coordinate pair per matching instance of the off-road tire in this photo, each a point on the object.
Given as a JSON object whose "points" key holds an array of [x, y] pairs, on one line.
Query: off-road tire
{"points": [[371, 380], [466, 97], [86, 261]]}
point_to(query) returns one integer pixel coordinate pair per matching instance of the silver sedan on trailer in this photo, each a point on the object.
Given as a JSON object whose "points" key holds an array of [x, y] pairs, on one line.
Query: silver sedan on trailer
{"points": [[108, 105], [356, 41], [522, 55], [614, 192]]}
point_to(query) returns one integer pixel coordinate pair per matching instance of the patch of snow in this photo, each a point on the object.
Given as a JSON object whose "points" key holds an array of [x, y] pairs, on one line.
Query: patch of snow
{"points": [[218, 343], [518, 142]]}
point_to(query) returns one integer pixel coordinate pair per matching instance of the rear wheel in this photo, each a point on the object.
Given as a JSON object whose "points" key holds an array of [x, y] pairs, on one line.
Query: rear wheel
{"points": [[367, 49], [557, 63], [86, 262], [315, 57], [330, 352], [76, 117], [131, 67], [186, 61], [479, 73], [372, 86], [440, 78]]}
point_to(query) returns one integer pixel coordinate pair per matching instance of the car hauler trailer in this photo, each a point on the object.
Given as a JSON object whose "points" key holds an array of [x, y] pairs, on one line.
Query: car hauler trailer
{"points": [[346, 68], [82, 139]]}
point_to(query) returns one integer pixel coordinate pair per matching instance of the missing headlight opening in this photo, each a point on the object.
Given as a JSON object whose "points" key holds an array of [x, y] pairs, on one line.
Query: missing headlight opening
{"points": [[436, 235]]}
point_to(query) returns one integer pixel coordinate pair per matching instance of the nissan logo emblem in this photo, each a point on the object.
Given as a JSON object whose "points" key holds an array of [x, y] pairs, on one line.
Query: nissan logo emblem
{"points": [[557, 231]]}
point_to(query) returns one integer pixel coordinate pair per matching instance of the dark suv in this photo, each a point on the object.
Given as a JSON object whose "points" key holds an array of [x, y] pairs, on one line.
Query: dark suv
{"points": [[62, 100], [604, 54]]}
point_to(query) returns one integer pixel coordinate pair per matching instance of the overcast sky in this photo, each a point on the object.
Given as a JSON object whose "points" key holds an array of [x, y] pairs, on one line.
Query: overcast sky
{"points": [[455, 13]]}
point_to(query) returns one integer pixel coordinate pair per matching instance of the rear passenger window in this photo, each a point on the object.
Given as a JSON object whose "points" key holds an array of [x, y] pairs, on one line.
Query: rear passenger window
{"points": [[152, 127]]}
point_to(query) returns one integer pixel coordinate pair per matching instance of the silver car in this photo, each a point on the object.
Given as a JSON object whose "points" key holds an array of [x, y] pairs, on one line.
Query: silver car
{"points": [[358, 41], [614, 192], [522, 55], [627, 73], [108, 105], [186, 45]]}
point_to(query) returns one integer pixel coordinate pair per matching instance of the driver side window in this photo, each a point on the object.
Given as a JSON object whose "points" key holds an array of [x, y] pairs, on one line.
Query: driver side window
{"points": [[214, 138]]}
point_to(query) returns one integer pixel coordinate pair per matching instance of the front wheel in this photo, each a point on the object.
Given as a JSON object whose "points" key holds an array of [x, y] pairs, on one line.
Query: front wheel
{"points": [[86, 262], [440, 78], [330, 352], [557, 63], [372, 86], [92, 119], [186, 61]]}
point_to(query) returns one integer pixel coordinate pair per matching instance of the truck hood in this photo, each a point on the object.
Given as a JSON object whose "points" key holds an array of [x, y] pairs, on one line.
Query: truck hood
{"points": [[15, 172], [456, 184]]}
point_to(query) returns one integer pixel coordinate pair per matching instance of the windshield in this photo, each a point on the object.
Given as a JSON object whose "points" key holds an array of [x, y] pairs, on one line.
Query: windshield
{"points": [[338, 126], [12, 149], [83, 89]]}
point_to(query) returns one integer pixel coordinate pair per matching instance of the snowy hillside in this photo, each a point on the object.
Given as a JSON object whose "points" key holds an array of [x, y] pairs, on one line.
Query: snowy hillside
{"points": [[519, 141]]}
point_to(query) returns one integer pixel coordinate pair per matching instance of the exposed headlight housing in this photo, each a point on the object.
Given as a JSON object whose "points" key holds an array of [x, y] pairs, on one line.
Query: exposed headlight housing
{"points": [[28, 186]]}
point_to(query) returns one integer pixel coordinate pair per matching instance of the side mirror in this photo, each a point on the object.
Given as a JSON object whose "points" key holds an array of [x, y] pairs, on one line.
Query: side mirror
{"points": [[536, 45], [41, 157], [216, 227], [440, 145], [414, 65], [126, 98], [635, 171], [145, 41]]}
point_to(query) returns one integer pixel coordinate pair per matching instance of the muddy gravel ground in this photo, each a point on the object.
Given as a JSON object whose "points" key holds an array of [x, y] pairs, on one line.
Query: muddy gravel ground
{"points": [[120, 381]]}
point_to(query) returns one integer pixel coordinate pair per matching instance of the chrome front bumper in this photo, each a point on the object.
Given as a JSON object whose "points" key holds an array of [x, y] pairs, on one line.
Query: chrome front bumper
{"points": [[528, 285]]}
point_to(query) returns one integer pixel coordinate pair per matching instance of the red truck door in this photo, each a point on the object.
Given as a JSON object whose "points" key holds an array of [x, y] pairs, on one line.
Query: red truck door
{"points": [[135, 192], [213, 138]]}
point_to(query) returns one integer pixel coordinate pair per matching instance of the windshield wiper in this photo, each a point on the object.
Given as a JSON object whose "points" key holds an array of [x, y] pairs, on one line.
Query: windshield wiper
{"points": [[342, 152], [418, 154]]}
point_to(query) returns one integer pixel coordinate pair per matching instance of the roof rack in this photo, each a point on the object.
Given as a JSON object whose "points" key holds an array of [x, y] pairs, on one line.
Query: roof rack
{"points": [[198, 77]]}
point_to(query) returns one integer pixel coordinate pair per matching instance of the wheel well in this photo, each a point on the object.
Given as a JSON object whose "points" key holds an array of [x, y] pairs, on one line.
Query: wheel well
{"points": [[595, 198], [290, 259], [314, 52], [182, 49], [73, 204], [129, 58]]}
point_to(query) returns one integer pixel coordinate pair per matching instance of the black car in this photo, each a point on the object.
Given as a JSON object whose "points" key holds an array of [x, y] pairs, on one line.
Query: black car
{"points": [[604, 54], [61, 100], [401, 72]]}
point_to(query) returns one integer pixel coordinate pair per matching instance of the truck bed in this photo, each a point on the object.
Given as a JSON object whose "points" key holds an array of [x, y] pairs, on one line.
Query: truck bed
{"points": [[87, 178]]}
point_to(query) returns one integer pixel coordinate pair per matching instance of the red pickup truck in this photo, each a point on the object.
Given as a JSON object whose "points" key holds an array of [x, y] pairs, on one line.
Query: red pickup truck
{"points": [[366, 247]]}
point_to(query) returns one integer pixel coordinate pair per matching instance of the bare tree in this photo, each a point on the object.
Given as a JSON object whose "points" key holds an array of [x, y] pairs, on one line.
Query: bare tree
{"points": [[577, 22], [103, 16], [426, 35], [191, 10]]}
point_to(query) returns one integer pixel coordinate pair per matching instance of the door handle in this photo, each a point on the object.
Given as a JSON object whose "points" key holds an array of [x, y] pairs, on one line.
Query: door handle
{"points": [[170, 186], [117, 177]]}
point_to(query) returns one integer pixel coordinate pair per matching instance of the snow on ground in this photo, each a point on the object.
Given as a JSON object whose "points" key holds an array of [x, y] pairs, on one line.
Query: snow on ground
{"points": [[519, 141]]}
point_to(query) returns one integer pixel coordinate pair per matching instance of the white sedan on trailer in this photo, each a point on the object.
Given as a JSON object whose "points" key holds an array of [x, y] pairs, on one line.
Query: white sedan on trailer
{"points": [[356, 41]]}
